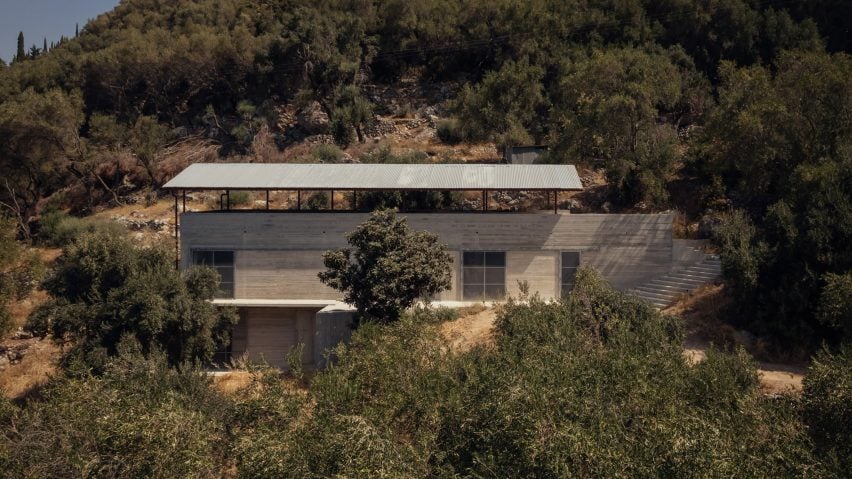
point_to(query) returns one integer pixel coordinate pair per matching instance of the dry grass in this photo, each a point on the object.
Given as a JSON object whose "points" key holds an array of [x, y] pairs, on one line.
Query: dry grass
{"points": [[473, 327], [35, 369], [21, 309], [232, 381]]}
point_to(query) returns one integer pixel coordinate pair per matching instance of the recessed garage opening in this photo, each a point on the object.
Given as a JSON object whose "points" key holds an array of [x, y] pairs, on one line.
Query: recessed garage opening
{"points": [[269, 334]]}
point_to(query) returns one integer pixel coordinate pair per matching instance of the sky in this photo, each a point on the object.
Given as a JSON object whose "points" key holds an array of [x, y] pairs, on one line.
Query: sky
{"points": [[44, 18]]}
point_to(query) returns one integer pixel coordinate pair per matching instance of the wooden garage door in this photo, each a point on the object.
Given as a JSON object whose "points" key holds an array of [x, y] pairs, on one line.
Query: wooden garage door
{"points": [[270, 333]]}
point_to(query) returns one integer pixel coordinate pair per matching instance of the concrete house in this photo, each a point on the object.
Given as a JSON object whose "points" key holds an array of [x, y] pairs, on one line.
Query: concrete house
{"points": [[269, 259]]}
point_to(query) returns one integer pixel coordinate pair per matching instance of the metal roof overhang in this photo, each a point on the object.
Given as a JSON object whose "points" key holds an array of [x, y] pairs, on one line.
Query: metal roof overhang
{"points": [[360, 176]]}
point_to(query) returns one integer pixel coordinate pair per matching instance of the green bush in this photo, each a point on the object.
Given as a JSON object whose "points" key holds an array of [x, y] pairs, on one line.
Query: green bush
{"points": [[449, 131], [140, 419], [383, 155], [239, 198], [59, 229], [827, 401], [319, 200], [325, 153], [6, 321]]}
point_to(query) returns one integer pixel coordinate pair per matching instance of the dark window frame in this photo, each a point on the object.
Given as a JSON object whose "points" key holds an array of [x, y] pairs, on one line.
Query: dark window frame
{"points": [[224, 262], [480, 269]]}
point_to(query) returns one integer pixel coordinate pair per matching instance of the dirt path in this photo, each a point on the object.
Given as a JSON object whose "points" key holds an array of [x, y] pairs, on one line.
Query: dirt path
{"points": [[774, 378], [700, 311], [470, 330]]}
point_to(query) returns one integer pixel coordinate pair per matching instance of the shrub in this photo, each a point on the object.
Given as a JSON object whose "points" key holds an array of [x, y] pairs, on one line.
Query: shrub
{"points": [[59, 229], [827, 401], [383, 154], [319, 200], [449, 132], [6, 321], [325, 153], [140, 419], [239, 198], [835, 304]]}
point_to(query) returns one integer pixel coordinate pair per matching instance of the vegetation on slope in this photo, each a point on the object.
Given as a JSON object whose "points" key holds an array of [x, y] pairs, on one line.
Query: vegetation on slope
{"points": [[593, 386], [745, 102]]}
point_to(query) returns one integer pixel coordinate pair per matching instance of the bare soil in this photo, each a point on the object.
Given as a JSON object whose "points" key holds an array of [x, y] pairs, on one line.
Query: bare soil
{"points": [[35, 369], [699, 311], [470, 330]]}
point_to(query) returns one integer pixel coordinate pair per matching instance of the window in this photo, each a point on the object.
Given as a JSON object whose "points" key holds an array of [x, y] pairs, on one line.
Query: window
{"points": [[223, 262], [570, 263], [483, 275]]}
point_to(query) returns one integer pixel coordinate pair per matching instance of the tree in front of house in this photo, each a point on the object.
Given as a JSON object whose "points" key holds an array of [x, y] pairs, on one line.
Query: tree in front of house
{"points": [[388, 267], [105, 289]]}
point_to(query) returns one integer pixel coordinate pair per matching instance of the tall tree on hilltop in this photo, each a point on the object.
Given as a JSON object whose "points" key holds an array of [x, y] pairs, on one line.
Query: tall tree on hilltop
{"points": [[44, 49], [21, 54]]}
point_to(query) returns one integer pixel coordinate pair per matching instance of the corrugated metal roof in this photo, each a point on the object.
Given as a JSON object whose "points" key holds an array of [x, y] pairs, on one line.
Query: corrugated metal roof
{"points": [[360, 176]]}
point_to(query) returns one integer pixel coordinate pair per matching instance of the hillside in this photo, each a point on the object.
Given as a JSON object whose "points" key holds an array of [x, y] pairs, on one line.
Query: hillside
{"points": [[734, 114]]}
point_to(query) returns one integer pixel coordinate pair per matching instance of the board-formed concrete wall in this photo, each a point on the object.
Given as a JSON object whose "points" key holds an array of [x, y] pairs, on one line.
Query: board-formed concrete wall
{"points": [[278, 254]]}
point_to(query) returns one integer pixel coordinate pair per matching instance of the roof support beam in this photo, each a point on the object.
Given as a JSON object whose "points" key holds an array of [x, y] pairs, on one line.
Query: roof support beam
{"points": [[177, 240]]}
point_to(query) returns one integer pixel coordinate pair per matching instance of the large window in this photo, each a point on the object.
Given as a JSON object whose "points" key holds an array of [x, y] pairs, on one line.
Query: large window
{"points": [[223, 262], [570, 263], [483, 275]]}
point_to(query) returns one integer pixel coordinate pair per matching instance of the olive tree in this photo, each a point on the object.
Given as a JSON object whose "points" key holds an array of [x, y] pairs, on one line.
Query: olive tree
{"points": [[105, 288], [388, 267]]}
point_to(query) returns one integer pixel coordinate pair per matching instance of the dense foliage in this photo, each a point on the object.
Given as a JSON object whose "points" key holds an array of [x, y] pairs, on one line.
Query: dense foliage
{"points": [[698, 105], [593, 386], [782, 145], [388, 267], [20, 272], [105, 288]]}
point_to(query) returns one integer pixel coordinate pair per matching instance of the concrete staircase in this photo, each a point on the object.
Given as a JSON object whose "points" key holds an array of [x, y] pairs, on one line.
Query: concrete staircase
{"points": [[663, 291]]}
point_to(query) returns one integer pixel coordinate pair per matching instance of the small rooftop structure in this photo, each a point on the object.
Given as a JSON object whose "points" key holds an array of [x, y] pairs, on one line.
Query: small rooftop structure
{"points": [[359, 176], [524, 155]]}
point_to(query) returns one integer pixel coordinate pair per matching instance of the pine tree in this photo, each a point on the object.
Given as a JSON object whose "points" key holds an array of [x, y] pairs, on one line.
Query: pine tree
{"points": [[21, 55], [76, 30], [44, 50]]}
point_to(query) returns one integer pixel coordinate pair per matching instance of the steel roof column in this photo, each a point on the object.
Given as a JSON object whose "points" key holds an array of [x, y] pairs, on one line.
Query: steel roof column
{"points": [[177, 241]]}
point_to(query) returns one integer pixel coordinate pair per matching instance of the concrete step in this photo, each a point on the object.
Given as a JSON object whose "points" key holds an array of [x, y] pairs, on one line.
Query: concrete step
{"points": [[692, 276], [671, 281], [657, 296], [663, 291], [646, 288], [704, 269], [657, 285], [655, 303]]}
